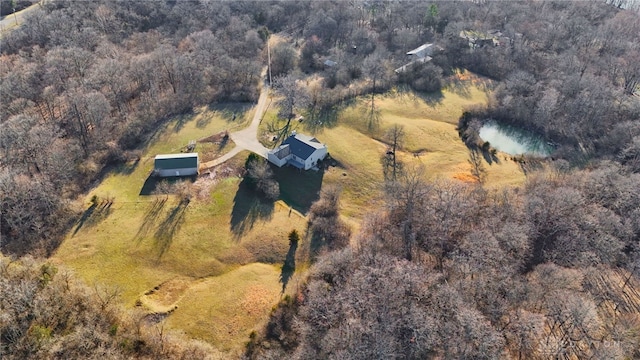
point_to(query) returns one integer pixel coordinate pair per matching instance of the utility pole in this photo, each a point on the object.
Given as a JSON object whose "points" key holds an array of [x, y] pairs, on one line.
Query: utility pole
{"points": [[269, 58], [15, 17]]}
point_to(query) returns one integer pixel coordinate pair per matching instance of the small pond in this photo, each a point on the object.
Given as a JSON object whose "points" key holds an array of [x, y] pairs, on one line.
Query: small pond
{"points": [[513, 141]]}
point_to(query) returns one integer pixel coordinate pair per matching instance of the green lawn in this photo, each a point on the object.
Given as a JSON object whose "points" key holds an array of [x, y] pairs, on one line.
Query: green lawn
{"points": [[218, 258], [142, 241], [429, 121], [225, 309]]}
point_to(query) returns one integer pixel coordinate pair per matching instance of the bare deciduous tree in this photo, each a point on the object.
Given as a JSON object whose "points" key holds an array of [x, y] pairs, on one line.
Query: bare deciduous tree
{"points": [[260, 172], [377, 68], [477, 167], [391, 166]]}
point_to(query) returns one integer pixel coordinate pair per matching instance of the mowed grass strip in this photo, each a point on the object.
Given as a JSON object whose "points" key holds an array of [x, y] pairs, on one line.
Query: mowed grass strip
{"points": [[359, 173]]}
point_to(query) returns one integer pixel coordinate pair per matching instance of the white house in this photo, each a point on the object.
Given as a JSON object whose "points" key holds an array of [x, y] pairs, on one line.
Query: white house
{"points": [[176, 164], [298, 150]]}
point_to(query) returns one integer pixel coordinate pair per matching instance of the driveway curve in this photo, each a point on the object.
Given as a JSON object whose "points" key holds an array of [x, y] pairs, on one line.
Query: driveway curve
{"points": [[247, 138]]}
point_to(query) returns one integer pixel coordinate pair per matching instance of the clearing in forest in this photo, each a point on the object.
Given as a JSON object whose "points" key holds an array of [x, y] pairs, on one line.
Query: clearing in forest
{"points": [[210, 262]]}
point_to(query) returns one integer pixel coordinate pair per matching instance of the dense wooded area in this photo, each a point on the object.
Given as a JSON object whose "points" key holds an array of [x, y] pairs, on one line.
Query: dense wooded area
{"points": [[48, 314], [444, 270], [84, 84], [448, 270]]}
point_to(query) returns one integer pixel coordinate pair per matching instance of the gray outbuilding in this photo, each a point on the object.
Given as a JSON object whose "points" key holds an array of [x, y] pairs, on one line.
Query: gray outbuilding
{"points": [[176, 165]]}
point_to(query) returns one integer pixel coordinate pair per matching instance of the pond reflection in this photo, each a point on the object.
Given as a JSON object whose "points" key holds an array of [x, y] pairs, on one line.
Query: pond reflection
{"points": [[513, 141]]}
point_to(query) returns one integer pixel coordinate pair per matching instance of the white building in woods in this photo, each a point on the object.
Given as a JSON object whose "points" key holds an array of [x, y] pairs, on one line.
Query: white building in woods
{"points": [[330, 63], [421, 54], [298, 150], [186, 164], [424, 51]]}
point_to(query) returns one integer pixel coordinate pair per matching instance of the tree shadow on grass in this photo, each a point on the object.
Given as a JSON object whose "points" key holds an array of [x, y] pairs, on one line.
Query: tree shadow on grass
{"points": [[289, 266], [231, 112], [248, 208], [459, 87], [490, 157], [150, 218], [325, 117], [128, 167], [299, 188], [95, 214], [314, 247], [430, 98], [316, 244], [224, 142], [163, 237], [181, 120], [152, 182], [281, 132]]}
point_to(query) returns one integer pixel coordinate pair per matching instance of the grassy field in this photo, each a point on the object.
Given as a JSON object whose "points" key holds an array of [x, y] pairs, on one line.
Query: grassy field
{"points": [[224, 243], [215, 262], [431, 141], [225, 309]]}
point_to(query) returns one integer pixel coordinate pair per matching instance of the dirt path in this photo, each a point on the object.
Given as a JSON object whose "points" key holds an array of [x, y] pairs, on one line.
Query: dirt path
{"points": [[221, 159], [246, 139]]}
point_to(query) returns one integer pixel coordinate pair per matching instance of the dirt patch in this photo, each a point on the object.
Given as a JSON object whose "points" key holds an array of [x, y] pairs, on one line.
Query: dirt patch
{"points": [[216, 138], [156, 317], [211, 151], [468, 178], [211, 177], [468, 76], [256, 299], [162, 299]]}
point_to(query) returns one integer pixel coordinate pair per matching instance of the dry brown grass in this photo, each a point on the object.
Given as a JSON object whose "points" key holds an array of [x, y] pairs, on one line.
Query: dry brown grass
{"points": [[129, 249], [225, 309]]}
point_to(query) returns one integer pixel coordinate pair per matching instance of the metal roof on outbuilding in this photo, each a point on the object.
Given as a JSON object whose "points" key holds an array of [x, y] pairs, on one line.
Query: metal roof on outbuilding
{"points": [[176, 161]]}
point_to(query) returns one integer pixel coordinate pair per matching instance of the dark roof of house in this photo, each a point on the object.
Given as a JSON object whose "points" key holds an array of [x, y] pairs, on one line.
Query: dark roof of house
{"points": [[176, 161], [302, 146], [283, 151]]}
